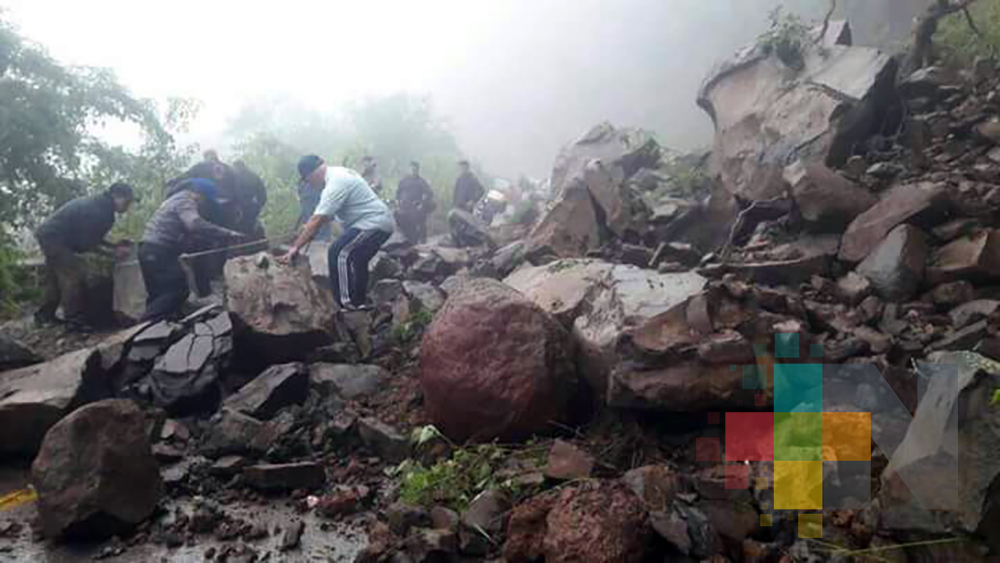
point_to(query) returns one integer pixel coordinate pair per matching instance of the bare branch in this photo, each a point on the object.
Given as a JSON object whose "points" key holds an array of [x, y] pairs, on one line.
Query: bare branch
{"points": [[921, 53], [826, 21]]}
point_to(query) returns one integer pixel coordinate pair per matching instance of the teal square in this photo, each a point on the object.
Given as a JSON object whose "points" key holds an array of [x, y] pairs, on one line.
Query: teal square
{"points": [[798, 387], [798, 436], [752, 377], [786, 345], [815, 350]]}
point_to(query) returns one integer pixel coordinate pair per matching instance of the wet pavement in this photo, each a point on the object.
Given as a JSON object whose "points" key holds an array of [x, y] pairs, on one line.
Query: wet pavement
{"points": [[339, 542]]}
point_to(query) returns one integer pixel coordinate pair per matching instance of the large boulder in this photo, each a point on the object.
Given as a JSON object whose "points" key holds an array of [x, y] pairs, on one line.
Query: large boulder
{"points": [[629, 149], [896, 267], [34, 398], [598, 301], [495, 365], [592, 198], [768, 114], [187, 378], [467, 230], [95, 473], [282, 315], [570, 228], [949, 459], [902, 204]]}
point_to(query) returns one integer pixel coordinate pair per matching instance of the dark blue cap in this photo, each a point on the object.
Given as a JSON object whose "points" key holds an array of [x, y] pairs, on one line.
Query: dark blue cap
{"points": [[308, 164]]}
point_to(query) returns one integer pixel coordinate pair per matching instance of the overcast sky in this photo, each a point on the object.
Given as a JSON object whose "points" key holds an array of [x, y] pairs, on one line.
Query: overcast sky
{"points": [[516, 79]]}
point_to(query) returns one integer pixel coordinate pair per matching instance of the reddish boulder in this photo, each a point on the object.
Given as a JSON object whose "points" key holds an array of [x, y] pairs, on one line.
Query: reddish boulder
{"points": [[527, 528], [495, 365], [599, 522], [95, 473]]}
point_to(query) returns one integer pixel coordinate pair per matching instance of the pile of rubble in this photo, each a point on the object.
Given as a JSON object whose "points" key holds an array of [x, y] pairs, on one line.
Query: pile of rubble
{"points": [[842, 212]]}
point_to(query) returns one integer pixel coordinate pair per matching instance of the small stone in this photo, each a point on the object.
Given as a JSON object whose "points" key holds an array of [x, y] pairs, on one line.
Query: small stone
{"points": [[384, 440], [167, 454], [728, 347], [402, 517], [423, 544], [885, 170], [292, 537], [853, 288], [953, 294], [288, 476], [671, 527], [486, 512], [567, 462], [228, 466], [443, 518]]}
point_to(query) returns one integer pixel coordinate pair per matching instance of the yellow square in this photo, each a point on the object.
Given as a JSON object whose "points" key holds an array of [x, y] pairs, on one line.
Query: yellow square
{"points": [[847, 436], [798, 485], [766, 520], [811, 526], [762, 484]]}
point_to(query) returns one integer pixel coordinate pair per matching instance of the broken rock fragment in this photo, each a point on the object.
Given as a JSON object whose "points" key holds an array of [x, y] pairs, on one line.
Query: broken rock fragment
{"points": [[286, 476], [895, 267], [973, 257], [567, 462], [899, 205], [275, 388], [34, 398]]}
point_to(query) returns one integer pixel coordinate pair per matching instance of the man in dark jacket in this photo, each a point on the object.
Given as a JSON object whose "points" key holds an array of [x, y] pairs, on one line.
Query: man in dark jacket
{"points": [[79, 226], [177, 227], [468, 190], [251, 197], [414, 203]]}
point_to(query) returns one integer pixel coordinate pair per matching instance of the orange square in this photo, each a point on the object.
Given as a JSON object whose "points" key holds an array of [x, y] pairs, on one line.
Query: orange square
{"points": [[847, 436]]}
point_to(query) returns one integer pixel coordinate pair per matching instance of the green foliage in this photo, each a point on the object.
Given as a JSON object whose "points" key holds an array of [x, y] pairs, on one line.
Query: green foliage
{"points": [[157, 160], [8, 268], [786, 37], [409, 331], [48, 115], [272, 134], [960, 44], [454, 482]]}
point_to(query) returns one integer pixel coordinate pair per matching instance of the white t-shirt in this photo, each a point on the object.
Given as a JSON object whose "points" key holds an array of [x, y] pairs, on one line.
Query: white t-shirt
{"points": [[349, 199]]}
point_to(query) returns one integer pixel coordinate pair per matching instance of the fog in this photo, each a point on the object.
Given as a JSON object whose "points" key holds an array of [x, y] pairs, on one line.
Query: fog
{"points": [[516, 79]]}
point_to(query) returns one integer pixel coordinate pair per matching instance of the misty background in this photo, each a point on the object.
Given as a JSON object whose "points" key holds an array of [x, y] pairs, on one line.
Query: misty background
{"points": [[514, 80]]}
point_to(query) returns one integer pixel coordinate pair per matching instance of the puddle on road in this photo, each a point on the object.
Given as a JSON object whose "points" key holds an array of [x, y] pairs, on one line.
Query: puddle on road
{"points": [[340, 544]]}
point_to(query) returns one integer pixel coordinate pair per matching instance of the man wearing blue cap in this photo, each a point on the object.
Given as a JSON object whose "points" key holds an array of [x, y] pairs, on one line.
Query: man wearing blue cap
{"points": [[367, 225], [174, 230]]}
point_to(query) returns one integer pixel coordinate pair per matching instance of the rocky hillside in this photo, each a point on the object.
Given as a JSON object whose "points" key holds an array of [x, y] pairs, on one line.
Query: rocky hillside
{"points": [[785, 350]]}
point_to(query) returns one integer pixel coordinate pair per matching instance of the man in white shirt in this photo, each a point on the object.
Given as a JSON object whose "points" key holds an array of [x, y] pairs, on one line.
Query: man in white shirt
{"points": [[367, 225]]}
